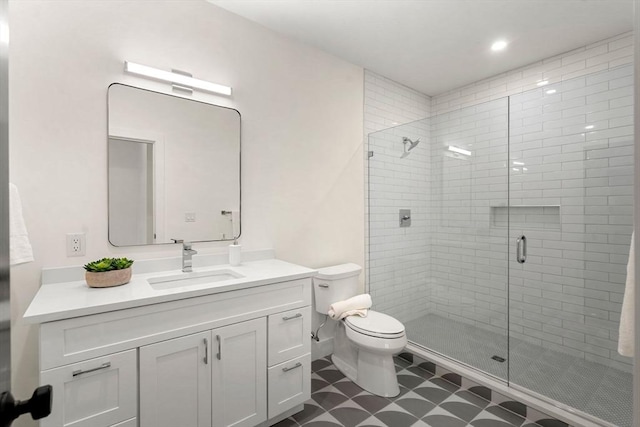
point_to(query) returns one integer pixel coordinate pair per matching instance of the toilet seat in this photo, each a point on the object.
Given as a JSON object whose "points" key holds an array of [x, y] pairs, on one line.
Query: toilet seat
{"points": [[376, 324]]}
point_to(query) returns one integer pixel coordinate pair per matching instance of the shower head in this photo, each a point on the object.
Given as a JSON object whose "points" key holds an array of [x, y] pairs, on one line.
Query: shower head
{"points": [[412, 145]]}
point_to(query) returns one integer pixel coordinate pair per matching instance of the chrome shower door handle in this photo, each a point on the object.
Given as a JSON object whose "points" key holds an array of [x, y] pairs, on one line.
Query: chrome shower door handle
{"points": [[521, 249]]}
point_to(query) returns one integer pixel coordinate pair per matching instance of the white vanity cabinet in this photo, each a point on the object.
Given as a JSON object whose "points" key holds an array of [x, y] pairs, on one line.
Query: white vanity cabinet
{"points": [[239, 358]]}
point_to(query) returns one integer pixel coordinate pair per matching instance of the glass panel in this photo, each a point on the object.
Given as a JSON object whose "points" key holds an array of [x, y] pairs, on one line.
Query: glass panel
{"points": [[445, 276], [571, 195]]}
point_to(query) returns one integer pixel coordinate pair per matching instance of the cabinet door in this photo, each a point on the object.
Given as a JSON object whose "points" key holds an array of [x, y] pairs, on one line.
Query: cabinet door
{"points": [[240, 374], [175, 382], [94, 393]]}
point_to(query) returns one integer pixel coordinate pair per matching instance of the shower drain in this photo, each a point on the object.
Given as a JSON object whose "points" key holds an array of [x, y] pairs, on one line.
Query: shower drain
{"points": [[498, 358]]}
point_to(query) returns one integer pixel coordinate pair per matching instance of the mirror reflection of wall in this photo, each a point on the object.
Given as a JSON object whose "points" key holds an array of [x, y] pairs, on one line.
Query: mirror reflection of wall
{"points": [[174, 169]]}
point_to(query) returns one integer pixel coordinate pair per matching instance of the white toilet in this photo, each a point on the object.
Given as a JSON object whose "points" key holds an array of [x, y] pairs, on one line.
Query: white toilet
{"points": [[363, 346]]}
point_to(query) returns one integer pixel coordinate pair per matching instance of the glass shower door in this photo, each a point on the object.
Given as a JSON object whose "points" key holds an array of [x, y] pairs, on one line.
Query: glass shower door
{"points": [[570, 222], [468, 287], [444, 275]]}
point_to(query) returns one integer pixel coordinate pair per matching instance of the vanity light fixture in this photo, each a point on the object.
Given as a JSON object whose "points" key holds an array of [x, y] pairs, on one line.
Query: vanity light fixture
{"points": [[178, 79], [459, 150]]}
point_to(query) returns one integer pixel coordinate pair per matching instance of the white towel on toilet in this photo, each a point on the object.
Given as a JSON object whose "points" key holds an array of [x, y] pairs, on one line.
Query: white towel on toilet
{"points": [[625, 339], [355, 306]]}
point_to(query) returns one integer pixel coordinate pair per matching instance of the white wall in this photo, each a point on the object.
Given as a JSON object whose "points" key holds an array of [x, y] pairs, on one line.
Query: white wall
{"points": [[302, 168]]}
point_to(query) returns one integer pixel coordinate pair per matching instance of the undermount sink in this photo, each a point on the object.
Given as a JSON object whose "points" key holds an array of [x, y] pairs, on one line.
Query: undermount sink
{"points": [[192, 279]]}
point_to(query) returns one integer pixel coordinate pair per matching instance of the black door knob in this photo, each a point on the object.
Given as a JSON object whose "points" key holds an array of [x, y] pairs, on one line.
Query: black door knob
{"points": [[39, 406]]}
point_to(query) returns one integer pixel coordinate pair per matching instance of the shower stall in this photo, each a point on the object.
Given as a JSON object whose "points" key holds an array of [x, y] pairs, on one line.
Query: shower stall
{"points": [[514, 264]]}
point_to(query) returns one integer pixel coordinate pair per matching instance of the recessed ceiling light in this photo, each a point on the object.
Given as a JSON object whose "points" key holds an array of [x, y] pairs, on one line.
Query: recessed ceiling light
{"points": [[543, 82], [551, 92], [589, 127], [499, 45]]}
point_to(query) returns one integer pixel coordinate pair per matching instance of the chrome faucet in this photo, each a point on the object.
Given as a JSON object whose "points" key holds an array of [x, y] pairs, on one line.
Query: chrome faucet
{"points": [[187, 253]]}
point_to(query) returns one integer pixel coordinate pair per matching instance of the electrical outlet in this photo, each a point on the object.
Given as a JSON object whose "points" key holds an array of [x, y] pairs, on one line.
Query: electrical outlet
{"points": [[76, 243], [190, 217]]}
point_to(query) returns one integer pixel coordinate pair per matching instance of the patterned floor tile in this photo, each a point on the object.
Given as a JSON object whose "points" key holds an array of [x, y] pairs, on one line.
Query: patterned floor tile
{"points": [[409, 380], [396, 418], [372, 422], [425, 400], [473, 398], [507, 416], [415, 404], [371, 403], [310, 412], [329, 398], [433, 394], [348, 388], [331, 375], [349, 417], [464, 411]]}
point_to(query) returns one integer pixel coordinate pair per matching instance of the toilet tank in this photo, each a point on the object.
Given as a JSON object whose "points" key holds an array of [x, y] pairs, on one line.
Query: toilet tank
{"points": [[336, 283]]}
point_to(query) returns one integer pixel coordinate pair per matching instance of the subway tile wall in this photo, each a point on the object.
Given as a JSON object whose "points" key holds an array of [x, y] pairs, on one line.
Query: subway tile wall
{"points": [[397, 258]]}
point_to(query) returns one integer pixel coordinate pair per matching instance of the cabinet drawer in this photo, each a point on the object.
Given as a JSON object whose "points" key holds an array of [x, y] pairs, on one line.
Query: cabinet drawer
{"points": [[96, 392], [289, 335], [289, 384]]}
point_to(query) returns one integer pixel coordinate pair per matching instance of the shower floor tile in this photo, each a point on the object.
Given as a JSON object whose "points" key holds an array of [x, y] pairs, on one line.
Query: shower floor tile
{"points": [[425, 400], [590, 387]]}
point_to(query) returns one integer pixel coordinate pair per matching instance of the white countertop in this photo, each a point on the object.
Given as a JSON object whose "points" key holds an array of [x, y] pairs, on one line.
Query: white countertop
{"points": [[64, 300]]}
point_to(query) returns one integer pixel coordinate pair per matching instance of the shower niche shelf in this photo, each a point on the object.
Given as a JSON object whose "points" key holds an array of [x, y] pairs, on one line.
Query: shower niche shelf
{"points": [[526, 217]]}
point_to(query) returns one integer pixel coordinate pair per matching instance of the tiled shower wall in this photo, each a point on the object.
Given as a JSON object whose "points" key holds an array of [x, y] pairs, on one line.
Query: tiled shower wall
{"points": [[398, 258], [576, 198]]}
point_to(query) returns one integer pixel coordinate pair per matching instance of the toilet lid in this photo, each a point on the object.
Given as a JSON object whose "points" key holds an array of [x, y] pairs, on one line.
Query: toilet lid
{"points": [[376, 323]]}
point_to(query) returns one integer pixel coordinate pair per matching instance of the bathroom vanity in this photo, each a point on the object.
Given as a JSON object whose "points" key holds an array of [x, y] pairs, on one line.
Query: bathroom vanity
{"points": [[218, 347]]}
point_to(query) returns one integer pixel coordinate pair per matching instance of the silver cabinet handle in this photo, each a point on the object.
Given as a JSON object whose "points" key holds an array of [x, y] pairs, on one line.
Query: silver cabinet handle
{"points": [[206, 351], [323, 285], [105, 365], [219, 355], [295, 316], [297, 365], [521, 249]]}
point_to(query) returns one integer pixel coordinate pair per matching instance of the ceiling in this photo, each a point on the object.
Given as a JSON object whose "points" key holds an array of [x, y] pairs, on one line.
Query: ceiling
{"points": [[437, 45]]}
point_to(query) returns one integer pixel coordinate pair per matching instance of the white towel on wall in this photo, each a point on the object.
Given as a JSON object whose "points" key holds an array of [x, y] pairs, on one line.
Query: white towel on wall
{"points": [[625, 340], [20, 250], [355, 306]]}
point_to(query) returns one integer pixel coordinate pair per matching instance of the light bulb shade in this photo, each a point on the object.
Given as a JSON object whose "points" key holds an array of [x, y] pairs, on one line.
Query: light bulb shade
{"points": [[167, 76]]}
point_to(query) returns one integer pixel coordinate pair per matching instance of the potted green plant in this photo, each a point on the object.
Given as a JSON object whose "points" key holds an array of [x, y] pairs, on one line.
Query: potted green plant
{"points": [[107, 272]]}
